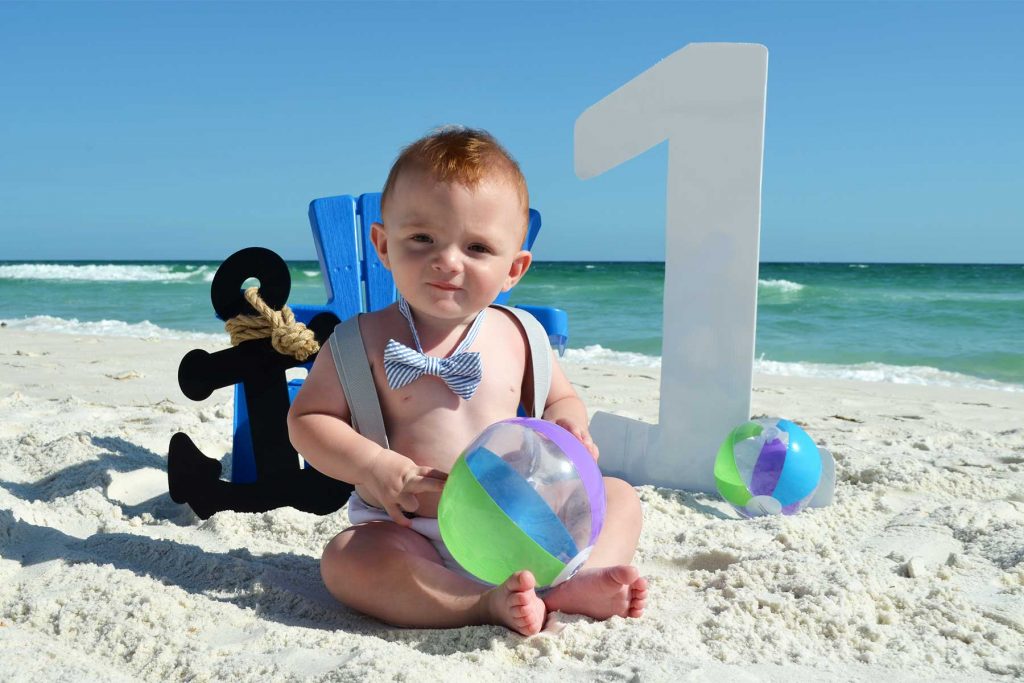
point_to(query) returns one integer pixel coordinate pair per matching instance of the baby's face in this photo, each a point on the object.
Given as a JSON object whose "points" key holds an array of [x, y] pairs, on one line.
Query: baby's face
{"points": [[451, 248]]}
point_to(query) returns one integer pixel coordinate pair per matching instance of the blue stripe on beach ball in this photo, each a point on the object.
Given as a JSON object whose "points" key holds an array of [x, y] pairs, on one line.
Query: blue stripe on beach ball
{"points": [[523, 505], [801, 472]]}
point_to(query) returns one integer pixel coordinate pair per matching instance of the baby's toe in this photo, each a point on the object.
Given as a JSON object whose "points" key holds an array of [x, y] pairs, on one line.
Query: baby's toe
{"points": [[624, 575], [528, 619], [518, 602], [636, 606], [520, 582], [638, 597], [515, 607]]}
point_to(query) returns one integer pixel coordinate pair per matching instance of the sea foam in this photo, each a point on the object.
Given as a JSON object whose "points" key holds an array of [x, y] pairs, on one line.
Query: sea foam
{"points": [[862, 372], [103, 272], [107, 328], [881, 372], [598, 355], [780, 285]]}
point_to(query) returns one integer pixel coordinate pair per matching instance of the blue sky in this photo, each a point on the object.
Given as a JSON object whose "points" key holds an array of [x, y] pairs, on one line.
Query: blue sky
{"points": [[189, 130]]}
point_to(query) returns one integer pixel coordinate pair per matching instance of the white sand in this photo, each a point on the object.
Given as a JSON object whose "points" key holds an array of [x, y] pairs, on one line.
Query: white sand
{"points": [[916, 572]]}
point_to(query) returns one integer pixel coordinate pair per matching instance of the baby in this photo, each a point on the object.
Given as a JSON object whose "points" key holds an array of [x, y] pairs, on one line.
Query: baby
{"points": [[454, 215]]}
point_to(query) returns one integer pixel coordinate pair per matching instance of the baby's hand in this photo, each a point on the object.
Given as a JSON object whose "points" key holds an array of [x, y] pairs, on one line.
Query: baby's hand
{"points": [[394, 481], [580, 433]]}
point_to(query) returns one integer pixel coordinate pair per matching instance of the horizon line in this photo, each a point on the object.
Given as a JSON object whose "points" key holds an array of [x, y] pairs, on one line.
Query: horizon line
{"points": [[137, 261]]}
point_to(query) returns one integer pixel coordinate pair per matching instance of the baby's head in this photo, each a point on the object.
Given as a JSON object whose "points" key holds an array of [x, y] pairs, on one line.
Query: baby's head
{"points": [[454, 214], [464, 156]]}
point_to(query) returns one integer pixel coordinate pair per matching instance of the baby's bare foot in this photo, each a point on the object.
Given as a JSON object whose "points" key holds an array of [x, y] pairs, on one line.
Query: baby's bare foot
{"points": [[516, 605], [601, 593]]}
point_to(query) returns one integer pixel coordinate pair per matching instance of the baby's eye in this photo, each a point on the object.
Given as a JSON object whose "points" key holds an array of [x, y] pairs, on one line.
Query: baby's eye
{"points": [[480, 248], [425, 239]]}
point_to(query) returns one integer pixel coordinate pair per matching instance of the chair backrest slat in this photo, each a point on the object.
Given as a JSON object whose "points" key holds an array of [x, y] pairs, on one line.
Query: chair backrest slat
{"points": [[334, 223], [380, 286]]}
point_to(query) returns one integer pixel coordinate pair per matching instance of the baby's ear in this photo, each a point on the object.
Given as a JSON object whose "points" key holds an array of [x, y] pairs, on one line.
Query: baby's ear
{"points": [[520, 264], [379, 237]]}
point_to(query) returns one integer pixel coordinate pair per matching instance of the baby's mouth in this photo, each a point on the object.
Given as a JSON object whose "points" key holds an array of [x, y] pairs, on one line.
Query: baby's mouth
{"points": [[446, 286]]}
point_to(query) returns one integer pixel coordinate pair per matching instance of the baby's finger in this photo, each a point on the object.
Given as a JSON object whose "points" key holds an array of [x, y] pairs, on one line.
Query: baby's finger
{"points": [[408, 502], [570, 427], [423, 485], [395, 513], [432, 473], [588, 441]]}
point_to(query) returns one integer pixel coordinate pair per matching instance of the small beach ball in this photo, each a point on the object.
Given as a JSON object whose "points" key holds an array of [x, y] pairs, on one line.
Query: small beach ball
{"points": [[768, 467], [525, 494]]}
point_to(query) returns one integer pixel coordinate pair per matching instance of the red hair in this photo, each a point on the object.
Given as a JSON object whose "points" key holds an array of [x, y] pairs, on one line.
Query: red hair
{"points": [[455, 154]]}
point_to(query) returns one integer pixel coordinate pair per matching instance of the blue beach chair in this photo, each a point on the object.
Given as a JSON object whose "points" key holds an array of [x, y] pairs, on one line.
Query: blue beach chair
{"points": [[357, 282]]}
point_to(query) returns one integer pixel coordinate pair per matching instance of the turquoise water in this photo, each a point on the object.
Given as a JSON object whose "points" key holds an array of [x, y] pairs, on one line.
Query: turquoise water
{"points": [[921, 323]]}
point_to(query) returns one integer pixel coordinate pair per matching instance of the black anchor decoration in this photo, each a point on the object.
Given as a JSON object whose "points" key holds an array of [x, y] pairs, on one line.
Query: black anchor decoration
{"points": [[193, 477]]}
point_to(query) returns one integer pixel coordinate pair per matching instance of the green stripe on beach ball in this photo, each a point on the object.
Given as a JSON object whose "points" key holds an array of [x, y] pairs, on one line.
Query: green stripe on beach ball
{"points": [[727, 475], [482, 538]]}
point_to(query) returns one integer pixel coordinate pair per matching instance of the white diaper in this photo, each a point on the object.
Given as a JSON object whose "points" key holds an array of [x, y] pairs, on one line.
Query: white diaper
{"points": [[359, 512]]}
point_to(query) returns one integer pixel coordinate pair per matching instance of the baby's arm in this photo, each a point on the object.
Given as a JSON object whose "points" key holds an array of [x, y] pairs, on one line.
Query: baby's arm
{"points": [[319, 428], [565, 408]]}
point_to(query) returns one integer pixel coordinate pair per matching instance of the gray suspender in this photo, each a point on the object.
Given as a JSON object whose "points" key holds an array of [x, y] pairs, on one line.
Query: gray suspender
{"points": [[540, 356], [349, 356]]}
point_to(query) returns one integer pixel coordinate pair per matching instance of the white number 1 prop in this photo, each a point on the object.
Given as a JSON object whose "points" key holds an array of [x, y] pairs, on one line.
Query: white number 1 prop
{"points": [[708, 101]]}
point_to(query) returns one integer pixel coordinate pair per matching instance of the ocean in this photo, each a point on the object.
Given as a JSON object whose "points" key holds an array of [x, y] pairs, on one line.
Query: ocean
{"points": [[953, 325]]}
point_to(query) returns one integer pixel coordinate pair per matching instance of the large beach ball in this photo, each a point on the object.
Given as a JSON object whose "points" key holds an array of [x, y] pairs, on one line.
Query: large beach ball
{"points": [[768, 467], [525, 494]]}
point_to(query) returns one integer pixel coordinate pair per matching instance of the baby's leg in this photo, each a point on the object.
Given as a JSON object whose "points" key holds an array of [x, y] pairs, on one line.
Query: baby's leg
{"points": [[608, 585], [395, 574]]}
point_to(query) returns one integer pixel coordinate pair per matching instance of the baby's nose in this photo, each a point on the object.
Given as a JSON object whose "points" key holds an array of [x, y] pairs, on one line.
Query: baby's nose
{"points": [[448, 260]]}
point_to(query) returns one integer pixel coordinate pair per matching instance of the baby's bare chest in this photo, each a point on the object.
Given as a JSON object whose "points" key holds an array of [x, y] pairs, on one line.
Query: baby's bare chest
{"points": [[427, 422]]}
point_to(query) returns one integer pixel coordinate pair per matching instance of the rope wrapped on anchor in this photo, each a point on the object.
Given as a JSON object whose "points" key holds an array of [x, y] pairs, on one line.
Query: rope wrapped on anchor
{"points": [[286, 336]]}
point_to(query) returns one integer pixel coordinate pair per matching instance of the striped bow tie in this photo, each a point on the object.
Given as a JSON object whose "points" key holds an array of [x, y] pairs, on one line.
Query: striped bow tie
{"points": [[461, 371]]}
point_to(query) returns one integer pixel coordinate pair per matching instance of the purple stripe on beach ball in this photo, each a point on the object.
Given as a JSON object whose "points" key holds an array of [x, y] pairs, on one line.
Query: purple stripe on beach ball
{"points": [[579, 456], [768, 468]]}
